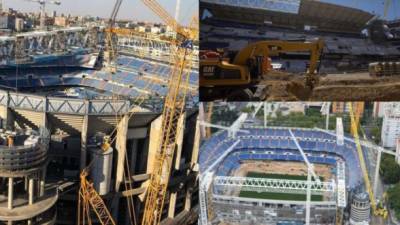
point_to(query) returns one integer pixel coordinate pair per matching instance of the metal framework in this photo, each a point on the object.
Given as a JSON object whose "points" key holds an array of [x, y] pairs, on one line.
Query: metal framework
{"points": [[174, 106], [48, 42], [63, 105], [341, 184], [90, 199], [204, 186], [274, 185]]}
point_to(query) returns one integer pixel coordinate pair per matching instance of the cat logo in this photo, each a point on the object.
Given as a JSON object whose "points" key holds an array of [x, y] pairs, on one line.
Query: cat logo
{"points": [[208, 71]]}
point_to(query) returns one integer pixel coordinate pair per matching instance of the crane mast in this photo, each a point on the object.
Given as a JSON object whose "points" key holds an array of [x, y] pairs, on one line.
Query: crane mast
{"points": [[174, 106], [173, 109], [354, 118]]}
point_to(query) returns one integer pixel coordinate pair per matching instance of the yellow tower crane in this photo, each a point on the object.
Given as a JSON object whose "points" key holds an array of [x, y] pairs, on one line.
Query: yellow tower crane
{"points": [[90, 199], [354, 118], [174, 106], [111, 48]]}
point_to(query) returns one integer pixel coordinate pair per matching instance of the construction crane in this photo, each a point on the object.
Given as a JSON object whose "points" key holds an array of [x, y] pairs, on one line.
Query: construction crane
{"points": [[184, 32], [111, 48], [43, 4], [90, 199], [174, 106], [354, 118], [88, 196]]}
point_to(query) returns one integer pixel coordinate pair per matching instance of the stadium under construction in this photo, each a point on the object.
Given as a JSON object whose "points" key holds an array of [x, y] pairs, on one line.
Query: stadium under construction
{"points": [[255, 174], [349, 54], [65, 116]]}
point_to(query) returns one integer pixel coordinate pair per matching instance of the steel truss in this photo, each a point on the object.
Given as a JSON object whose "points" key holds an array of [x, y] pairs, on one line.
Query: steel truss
{"points": [[274, 185], [48, 42]]}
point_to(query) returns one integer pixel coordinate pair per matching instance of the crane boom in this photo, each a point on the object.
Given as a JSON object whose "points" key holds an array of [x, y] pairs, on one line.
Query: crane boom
{"points": [[88, 196], [174, 105], [173, 108], [354, 118]]}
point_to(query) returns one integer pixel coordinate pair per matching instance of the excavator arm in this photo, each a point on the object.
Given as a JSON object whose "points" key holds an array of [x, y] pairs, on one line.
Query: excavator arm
{"points": [[273, 48]]}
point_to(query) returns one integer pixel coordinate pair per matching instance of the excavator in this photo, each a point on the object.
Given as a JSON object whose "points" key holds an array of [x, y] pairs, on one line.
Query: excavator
{"points": [[239, 76]]}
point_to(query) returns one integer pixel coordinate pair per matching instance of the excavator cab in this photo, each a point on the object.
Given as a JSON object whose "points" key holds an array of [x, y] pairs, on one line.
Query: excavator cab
{"points": [[238, 79]]}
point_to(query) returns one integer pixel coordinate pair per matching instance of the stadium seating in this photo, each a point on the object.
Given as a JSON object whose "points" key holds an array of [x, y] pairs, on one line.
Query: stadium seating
{"points": [[124, 83], [277, 144]]}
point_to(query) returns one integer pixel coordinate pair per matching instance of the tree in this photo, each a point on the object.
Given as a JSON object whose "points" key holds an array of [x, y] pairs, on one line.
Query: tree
{"points": [[394, 199], [390, 170]]}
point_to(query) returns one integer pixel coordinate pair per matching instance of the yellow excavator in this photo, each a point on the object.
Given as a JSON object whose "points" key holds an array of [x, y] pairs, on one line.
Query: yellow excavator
{"points": [[238, 77]]}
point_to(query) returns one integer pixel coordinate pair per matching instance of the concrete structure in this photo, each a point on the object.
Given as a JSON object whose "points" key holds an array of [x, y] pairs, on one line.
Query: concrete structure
{"points": [[232, 25], [72, 138], [360, 210], [19, 24], [126, 105], [222, 157], [23, 163], [390, 128]]}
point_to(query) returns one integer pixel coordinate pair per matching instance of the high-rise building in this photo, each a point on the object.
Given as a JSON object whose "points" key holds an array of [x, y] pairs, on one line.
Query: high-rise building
{"points": [[390, 127]]}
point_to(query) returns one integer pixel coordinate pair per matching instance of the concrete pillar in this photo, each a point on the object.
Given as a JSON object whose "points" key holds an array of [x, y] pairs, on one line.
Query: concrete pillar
{"points": [[10, 192], [193, 162], [154, 143], [9, 222], [6, 116], [30, 191], [188, 198], [172, 204], [42, 182], [178, 154], [122, 130], [179, 141], [84, 141]]}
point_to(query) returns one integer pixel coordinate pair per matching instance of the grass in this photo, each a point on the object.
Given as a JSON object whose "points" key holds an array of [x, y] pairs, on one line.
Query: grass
{"points": [[274, 195]]}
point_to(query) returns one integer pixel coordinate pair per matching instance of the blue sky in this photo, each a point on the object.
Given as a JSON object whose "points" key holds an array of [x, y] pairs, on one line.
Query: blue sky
{"points": [[376, 6], [130, 9]]}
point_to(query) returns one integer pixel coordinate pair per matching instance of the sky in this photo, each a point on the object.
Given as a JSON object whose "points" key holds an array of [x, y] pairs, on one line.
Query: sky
{"points": [[135, 9], [376, 6], [130, 9]]}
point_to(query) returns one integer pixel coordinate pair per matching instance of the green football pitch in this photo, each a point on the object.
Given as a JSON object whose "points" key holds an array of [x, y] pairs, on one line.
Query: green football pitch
{"points": [[277, 196]]}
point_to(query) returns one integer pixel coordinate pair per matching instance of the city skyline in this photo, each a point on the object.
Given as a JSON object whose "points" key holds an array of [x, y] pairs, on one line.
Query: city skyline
{"points": [[133, 9]]}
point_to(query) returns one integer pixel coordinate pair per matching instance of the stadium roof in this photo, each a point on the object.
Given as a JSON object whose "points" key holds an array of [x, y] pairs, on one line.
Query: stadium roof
{"points": [[290, 13]]}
